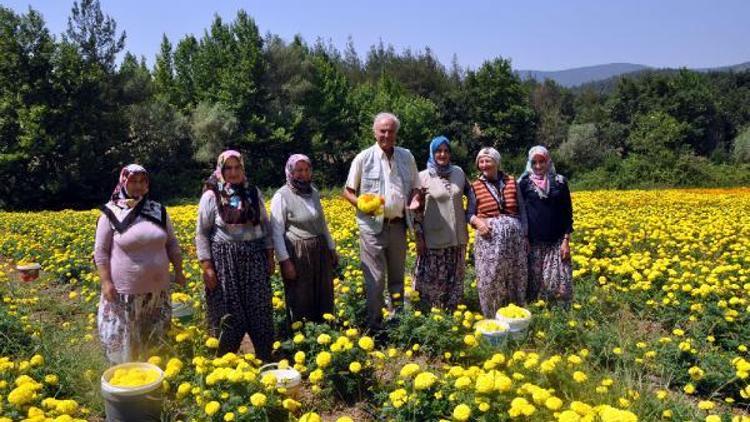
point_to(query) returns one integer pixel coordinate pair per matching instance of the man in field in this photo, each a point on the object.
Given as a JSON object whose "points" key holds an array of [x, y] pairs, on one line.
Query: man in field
{"points": [[389, 172]]}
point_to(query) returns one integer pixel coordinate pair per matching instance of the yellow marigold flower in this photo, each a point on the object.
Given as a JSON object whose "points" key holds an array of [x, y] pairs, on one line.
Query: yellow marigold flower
{"points": [[290, 405], [706, 405], [579, 376], [212, 407], [424, 380], [212, 343], [323, 359], [355, 367], [398, 397], [258, 399], [229, 416], [470, 340], [553, 403], [461, 412], [299, 357], [408, 370], [324, 339], [345, 419], [299, 338], [310, 417], [366, 343], [36, 360]]}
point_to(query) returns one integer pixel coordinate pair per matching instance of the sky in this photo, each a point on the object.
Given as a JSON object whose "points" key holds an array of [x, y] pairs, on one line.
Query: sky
{"points": [[533, 34]]}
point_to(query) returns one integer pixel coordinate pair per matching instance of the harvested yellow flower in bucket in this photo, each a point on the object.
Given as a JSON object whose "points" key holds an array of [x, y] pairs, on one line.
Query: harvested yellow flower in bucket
{"points": [[490, 326], [513, 311], [370, 203], [133, 377]]}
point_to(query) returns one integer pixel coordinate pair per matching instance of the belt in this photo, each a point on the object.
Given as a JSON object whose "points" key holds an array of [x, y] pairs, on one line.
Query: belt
{"points": [[394, 220]]}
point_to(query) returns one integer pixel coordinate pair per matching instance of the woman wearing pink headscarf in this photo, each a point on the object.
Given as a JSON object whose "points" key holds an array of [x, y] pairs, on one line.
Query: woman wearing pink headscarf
{"points": [[135, 242], [234, 247], [304, 247], [549, 211]]}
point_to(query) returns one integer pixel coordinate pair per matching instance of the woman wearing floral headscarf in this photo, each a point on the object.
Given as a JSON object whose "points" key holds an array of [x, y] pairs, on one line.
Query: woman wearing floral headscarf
{"points": [[550, 215], [441, 230], [135, 243], [304, 247], [235, 249], [496, 211]]}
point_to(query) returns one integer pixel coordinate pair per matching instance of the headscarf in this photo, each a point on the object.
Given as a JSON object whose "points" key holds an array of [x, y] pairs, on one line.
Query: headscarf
{"points": [[123, 208], [540, 182], [497, 186], [236, 203], [432, 166], [490, 152], [303, 188]]}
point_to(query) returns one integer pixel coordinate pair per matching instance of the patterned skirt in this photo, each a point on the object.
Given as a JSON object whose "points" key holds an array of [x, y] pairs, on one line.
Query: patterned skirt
{"points": [[550, 278], [311, 294], [439, 277], [500, 263], [241, 303], [131, 328]]}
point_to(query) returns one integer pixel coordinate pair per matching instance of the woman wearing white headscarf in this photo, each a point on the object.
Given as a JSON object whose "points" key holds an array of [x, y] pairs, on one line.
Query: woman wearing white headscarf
{"points": [[549, 211], [304, 246], [496, 211], [135, 242]]}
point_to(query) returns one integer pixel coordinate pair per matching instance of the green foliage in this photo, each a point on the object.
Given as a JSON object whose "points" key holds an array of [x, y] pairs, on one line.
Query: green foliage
{"points": [[741, 147], [70, 118]]}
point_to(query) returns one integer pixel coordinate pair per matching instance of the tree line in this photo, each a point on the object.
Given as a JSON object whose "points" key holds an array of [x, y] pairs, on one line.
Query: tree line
{"points": [[71, 115]]}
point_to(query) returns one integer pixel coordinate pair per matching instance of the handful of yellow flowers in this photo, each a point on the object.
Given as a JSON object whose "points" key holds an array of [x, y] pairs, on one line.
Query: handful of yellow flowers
{"points": [[370, 203], [133, 377]]}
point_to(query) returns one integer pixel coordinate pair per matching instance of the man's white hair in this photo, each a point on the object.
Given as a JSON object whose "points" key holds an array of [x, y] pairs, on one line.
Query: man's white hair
{"points": [[383, 116]]}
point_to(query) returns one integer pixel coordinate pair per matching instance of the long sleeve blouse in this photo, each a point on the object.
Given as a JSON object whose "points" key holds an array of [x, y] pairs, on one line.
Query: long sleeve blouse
{"points": [[294, 216], [211, 228], [139, 257], [549, 218]]}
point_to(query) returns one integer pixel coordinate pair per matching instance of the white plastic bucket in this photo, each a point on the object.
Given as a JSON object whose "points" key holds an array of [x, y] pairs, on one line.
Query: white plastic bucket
{"points": [[142, 403], [494, 337], [516, 324], [183, 311], [289, 378]]}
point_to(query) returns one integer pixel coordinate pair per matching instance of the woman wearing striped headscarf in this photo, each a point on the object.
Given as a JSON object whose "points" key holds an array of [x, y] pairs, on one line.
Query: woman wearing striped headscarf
{"points": [[135, 243], [304, 246], [235, 249], [440, 226], [496, 211], [550, 215]]}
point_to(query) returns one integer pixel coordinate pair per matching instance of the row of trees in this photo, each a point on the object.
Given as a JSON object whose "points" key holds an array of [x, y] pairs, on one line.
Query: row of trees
{"points": [[70, 116]]}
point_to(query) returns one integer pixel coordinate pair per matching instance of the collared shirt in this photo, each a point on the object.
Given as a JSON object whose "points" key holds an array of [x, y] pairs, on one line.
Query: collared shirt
{"points": [[395, 198]]}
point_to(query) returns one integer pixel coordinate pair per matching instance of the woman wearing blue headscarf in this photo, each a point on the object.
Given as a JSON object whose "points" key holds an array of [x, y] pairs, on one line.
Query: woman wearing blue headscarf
{"points": [[441, 229]]}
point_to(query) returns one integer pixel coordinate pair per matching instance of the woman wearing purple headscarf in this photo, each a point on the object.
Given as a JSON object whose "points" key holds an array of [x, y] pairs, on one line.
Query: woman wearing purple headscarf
{"points": [[304, 246], [135, 243], [440, 228], [550, 215], [235, 249]]}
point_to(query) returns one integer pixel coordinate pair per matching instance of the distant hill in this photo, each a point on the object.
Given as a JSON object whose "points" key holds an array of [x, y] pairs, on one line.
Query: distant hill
{"points": [[584, 75]]}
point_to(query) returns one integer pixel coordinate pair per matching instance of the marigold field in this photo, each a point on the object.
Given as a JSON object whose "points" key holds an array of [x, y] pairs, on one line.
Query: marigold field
{"points": [[659, 330]]}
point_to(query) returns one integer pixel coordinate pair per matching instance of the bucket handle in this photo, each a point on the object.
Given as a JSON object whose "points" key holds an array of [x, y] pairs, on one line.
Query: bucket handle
{"points": [[268, 365]]}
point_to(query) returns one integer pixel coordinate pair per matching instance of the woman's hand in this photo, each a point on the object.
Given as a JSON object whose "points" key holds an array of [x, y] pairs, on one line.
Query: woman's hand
{"points": [[271, 262], [108, 291], [209, 278], [565, 250], [179, 278], [421, 248], [288, 272], [334, 258], [482, 227]]}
